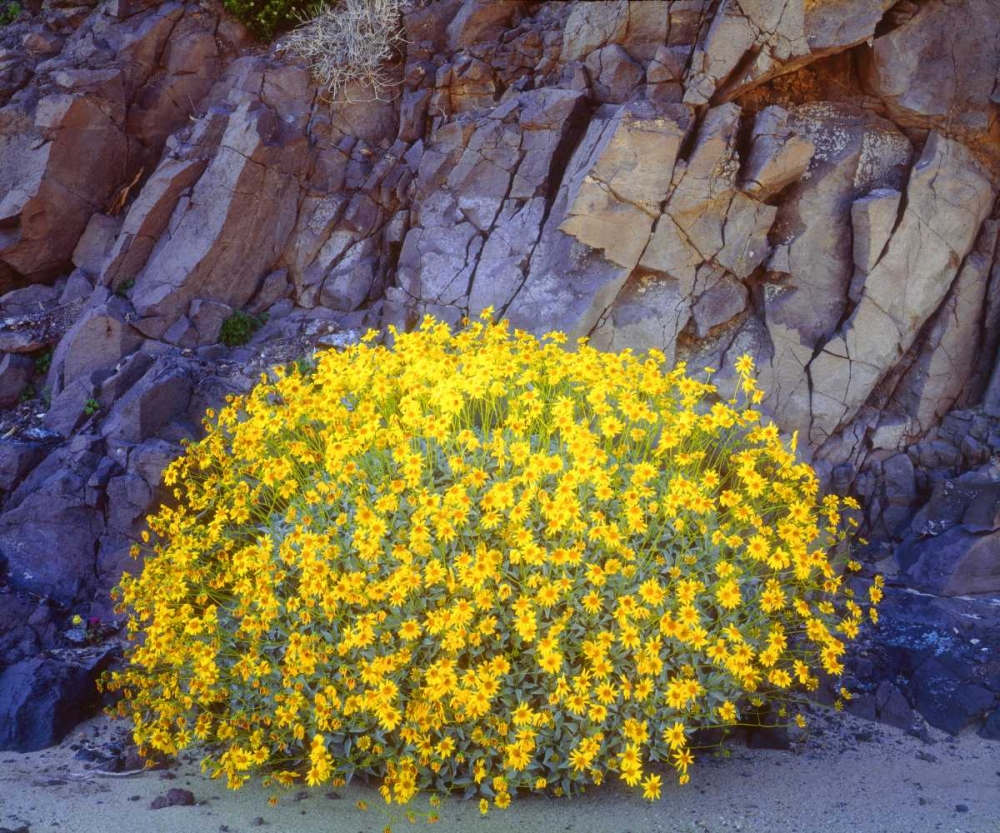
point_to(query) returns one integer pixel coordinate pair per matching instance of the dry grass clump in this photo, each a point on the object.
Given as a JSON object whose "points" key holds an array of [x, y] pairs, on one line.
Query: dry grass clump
{"points": [[350, 42]]}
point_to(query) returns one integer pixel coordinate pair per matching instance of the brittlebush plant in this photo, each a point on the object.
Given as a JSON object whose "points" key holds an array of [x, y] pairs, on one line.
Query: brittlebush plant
{"points": [[481, 562]]}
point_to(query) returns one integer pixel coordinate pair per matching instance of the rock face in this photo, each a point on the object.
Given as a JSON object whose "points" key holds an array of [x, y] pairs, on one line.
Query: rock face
{"points": [[91, 120], [814, 184]]}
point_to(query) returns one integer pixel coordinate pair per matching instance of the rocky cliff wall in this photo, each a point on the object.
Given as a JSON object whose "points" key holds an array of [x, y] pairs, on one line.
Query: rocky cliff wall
{"points": [[814, 183]]}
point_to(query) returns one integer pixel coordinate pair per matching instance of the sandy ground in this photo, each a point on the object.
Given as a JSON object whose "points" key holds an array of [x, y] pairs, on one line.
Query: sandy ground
{"points": [[851, 776]]}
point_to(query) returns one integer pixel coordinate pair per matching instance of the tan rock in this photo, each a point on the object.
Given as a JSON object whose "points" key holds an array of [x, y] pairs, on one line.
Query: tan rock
{"points": [[948, 197]]}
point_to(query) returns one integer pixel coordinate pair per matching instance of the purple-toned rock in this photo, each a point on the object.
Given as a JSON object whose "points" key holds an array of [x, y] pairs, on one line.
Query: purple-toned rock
{"points": [[15, 373], [17, 458], [42, 699], [161, 395], [100, 338], [955, 563], [175, 797], [92, 250], [215, 251]]}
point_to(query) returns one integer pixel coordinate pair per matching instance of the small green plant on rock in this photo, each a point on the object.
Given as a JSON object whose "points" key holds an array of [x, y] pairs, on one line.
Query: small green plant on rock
{"points": [[43, 361], [91, 407], [123, 288], [9, 11], [303, 366], [266, 18], [239, 327]]}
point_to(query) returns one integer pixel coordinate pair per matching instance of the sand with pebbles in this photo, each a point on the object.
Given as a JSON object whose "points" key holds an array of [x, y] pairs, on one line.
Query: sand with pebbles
{"points": [[851, 776]]}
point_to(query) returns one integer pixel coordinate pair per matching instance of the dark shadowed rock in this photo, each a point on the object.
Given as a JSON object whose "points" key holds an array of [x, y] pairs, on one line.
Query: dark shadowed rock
{"points": [[955, 563], [47, 529], [129, 497], [15, 373], [41, 699], [991, 728], [17, 458], [940, 653], [947, 700], [953, 501], [983, 512], [892, 707], [26, 628], [70, 407]]}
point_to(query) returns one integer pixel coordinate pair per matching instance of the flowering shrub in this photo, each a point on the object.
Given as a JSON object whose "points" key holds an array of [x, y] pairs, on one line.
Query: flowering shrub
{"points": [[481, 562]]}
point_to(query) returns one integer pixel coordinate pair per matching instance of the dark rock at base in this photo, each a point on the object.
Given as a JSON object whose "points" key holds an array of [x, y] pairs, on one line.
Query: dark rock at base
{"points": [[955, 563], [47, 530], [175, 797], [769, 738], [991, 728], [16, 460], [932, 657], [892, 706], [15, 373], [41, 699], [162, 393], [24, 628], [946, 700], [863, 706]]}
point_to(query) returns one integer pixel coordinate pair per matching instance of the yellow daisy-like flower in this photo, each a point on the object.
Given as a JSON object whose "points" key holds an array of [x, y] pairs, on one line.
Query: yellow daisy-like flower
{"points": [[470, 557]]}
